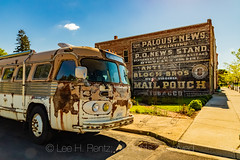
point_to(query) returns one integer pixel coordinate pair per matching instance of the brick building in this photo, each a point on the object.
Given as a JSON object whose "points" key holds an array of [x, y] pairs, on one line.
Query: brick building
{"points": [[174, 62]]}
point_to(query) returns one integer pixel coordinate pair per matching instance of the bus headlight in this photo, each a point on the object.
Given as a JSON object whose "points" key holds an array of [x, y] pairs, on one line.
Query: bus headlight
{"points": [[105, 107], [95, 107]]}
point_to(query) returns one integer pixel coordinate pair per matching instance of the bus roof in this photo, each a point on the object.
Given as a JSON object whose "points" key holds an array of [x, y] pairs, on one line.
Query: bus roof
{"points": [[18, 58]]}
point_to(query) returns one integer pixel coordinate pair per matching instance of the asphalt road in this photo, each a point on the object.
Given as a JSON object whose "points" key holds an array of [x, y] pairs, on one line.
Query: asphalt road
{"points": [[15, 144]]}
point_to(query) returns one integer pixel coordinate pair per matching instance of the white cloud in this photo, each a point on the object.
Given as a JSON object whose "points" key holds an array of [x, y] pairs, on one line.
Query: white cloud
{"points": [[71, 26]]}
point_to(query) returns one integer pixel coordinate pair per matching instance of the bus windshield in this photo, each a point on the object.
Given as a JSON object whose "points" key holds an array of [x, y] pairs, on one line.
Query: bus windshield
{"points": [[101, 71], [123, 74]]}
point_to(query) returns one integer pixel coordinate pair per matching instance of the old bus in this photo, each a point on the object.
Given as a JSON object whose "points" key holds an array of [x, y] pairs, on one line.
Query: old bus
{"points": [[77, 89]]}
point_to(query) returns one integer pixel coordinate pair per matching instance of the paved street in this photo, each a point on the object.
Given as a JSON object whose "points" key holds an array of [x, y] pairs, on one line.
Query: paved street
{"points": [[15, 144]]}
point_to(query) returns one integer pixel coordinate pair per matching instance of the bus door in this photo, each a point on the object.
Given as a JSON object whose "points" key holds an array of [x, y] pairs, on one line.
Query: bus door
{"points": [[65, 102]]}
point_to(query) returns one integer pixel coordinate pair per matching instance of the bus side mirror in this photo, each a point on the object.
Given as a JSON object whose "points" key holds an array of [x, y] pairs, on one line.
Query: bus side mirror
{"points": [[81, 72]]}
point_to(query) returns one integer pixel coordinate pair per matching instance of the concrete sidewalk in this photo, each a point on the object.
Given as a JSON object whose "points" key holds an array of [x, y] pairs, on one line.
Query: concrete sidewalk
{"points": [[215, 130], [167, 129]]}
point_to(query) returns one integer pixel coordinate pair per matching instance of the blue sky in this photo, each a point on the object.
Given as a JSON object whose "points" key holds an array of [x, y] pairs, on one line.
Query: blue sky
{"points": [[48, 22]]}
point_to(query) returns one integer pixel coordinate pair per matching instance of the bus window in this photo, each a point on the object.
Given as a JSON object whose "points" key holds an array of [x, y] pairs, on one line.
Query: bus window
{"points": [[66, 71], [123, 74], [42, 71], [101, 71], [20, 72], [8, 72]]}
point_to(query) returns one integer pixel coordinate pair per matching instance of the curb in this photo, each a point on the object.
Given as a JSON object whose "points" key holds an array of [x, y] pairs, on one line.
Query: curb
{"points": [[185, 146], [198, 154], [168, 141], [207, 150]]}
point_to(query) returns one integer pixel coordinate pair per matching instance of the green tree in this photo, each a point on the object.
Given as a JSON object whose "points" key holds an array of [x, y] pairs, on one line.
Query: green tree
{"points": [[2, 52], [237, 55], [233, 75], [222, 77], [234, 72], [23, 44]]}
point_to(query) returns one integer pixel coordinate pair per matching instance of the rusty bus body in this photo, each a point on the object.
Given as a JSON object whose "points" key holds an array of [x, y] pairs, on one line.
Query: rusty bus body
{"points": [[52, 97]]}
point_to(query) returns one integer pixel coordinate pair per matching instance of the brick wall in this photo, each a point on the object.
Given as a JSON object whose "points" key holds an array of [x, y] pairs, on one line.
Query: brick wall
{"points": [[152, 56]]}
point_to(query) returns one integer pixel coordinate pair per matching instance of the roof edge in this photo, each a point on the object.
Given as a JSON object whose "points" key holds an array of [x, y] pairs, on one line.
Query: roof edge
{"points": [[209, 21]]}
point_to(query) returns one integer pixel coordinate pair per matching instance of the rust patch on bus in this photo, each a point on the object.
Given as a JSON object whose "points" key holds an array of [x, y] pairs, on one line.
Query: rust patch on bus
{"points": [[61, 119], [120, 103], [114, 108], [64, 99]]}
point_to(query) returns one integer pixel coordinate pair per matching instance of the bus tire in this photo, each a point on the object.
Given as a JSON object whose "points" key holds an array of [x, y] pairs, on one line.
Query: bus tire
{"points": [[38, 126]]}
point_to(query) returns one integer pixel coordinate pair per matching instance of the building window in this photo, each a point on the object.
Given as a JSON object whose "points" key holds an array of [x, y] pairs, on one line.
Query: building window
{"points": [[125, 55]]}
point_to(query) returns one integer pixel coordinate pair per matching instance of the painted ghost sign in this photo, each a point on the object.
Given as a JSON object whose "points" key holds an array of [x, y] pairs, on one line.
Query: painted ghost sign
{"points": [[176, 65]]}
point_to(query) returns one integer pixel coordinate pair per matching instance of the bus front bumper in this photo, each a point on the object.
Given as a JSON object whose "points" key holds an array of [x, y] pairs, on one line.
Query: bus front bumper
{"points": [[98, 126]]}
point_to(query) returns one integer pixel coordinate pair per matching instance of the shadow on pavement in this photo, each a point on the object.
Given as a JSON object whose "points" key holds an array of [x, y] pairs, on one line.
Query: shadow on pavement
{"points": [[218, 100], [15, 144]]}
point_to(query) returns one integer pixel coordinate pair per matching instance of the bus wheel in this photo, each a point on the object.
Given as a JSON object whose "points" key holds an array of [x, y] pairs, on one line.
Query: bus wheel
{"points": [[38, 124]]}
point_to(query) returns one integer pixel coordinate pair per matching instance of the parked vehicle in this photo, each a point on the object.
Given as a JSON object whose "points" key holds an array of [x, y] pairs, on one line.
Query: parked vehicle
{"points": [[77, 89]]}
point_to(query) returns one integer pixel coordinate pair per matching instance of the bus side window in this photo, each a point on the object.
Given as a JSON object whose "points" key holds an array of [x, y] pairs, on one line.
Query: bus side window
{"points": [[66, 71], [8, 72], [20, 72], [42, 71]]}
